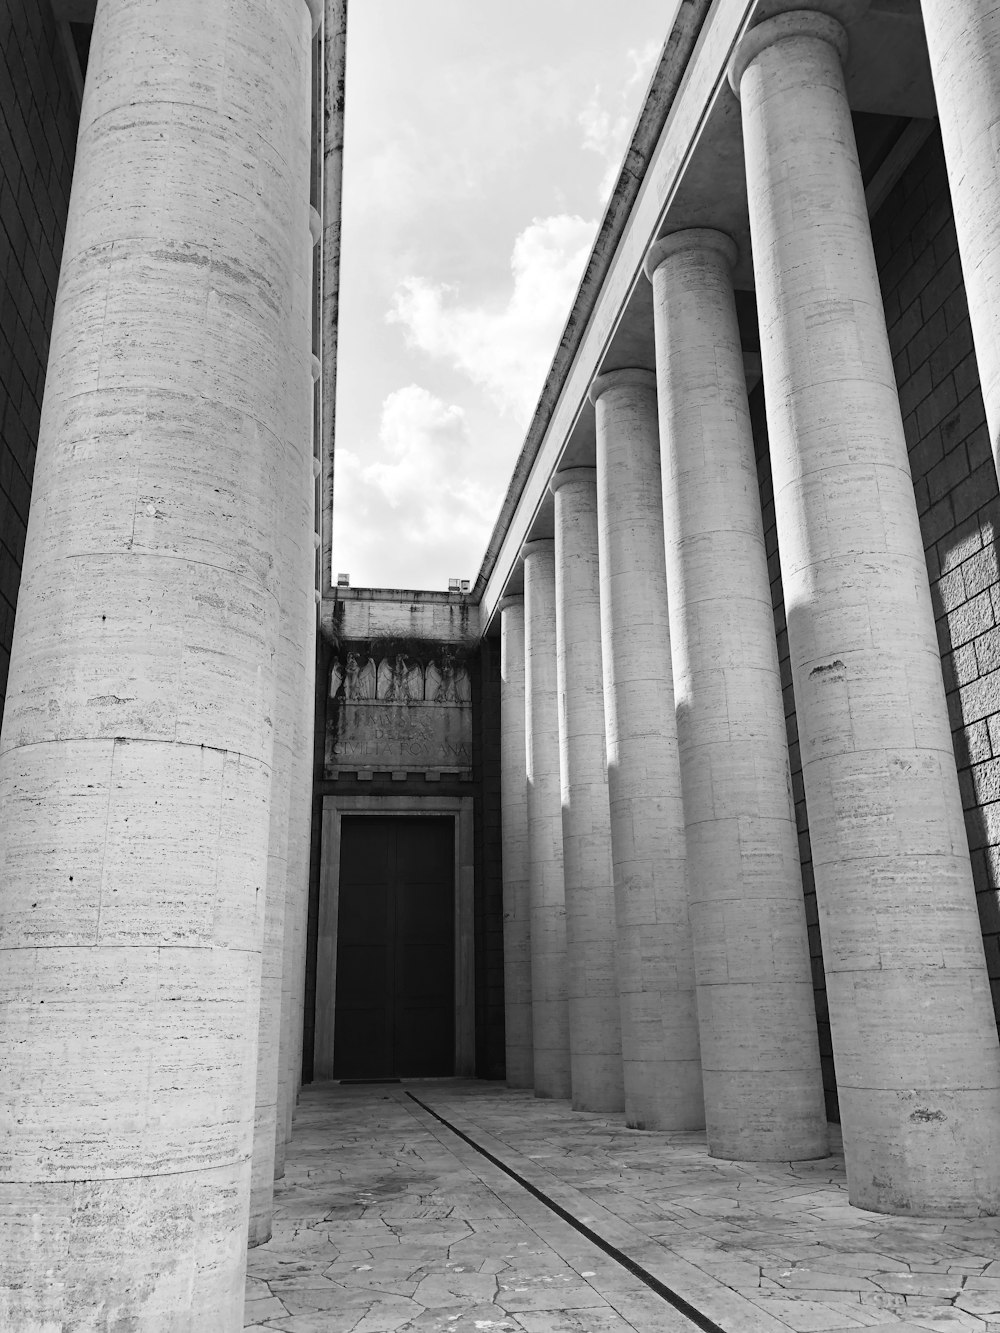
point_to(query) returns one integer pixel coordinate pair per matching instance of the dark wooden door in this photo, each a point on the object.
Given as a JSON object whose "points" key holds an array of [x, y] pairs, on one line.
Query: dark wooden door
{"points": [[395, 1013]]}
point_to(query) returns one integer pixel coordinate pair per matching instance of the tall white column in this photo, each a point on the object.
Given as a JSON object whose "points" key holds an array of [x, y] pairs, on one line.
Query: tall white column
{"points": [[760, 1053], [272, 957], [302, 628], [291, 746], [549, 1014], [591, 974], [963, 40], [299, 849], [914, 1035], [135, 759], [514, 817], [659, 1016]]}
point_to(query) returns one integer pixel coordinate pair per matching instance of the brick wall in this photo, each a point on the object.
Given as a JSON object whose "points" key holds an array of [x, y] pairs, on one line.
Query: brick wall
{"points": [[955, 484], [38, 125]]}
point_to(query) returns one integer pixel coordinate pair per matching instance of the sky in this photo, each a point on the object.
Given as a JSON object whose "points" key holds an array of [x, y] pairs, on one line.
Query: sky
{"points": [[482, 141]]}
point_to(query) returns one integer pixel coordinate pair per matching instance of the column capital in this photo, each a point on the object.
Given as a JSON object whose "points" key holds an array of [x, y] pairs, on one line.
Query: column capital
{"points": [[571, 475], [824, 21], [691, 238], [511, 601], [538, 546], [315, 8], [633, 376]]}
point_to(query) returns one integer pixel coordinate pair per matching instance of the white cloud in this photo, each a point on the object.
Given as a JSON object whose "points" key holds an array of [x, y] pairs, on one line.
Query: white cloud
{"points": [[504, 348], [607, 123], [419, 503], [455, 143]]}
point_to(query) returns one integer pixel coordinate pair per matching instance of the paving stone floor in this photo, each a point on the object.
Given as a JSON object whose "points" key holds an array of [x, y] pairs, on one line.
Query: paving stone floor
{"points": [[387, 1220]]}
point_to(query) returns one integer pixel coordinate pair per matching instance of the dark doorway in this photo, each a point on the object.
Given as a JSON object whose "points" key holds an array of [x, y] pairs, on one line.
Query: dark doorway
{"points": [[395, 1015]]}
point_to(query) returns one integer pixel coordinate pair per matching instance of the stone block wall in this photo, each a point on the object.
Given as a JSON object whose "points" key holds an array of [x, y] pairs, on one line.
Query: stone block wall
{"points": [[955, 484], [39, 116]]}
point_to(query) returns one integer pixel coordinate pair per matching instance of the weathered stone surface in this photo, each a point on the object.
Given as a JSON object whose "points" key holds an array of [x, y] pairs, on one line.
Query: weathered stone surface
{"points": [[963, 40], [410, 1227], [655, 958], [549, 1015], [397, 712], [141, 699], [763, 1095], [283, 961], [591, 973], [915, 1041], [514, 813], [301, 627]]}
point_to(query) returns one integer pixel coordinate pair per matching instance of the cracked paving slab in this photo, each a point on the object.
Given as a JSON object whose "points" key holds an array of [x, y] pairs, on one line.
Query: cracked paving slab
{"points": [[782, 1237], [386, 1220], [380, 1225]]}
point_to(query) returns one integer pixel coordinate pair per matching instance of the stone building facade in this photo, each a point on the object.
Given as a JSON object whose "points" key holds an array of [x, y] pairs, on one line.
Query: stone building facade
{"points": [[687, 809], [407, 743]]}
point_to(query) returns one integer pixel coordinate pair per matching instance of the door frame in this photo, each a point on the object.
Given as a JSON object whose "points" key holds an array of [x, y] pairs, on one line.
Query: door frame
{"points": [[460, 810]]}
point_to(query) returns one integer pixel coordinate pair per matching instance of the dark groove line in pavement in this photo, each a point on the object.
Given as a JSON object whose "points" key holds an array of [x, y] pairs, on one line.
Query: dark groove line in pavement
{"points": [[689, 1312]]}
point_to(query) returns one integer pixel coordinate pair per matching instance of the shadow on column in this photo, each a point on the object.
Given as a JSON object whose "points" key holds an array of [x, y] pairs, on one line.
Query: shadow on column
{"points": [[748, 320]]}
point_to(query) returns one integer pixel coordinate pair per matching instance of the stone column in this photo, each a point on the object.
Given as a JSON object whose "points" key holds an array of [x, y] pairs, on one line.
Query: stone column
{"points": [[135, 758], [760, 1054], [963, 39], [302, 628], [659, 1018], [272, 958], [591, 975], [299, 847], [914, 1034], [549, 1014], [295, 650], [514, 815]]}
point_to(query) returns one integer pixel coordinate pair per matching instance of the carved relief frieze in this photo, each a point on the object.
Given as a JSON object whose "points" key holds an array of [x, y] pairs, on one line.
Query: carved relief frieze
{"points": [[399, 711]]}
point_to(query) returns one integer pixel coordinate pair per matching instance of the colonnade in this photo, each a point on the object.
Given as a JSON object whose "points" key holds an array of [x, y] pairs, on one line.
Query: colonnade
{"points": [[677, 877], [152, 787]]}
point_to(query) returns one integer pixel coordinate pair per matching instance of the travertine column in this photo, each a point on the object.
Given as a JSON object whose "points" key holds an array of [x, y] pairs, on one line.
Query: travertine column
{"points": [[591, 976], [760, 1055], [299, 832], [295, 650], [914, 1036], [136, 748], [272, 958], [302, 626], [514, 816], [549, 1014], [659, 1018], [963, 39]]}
